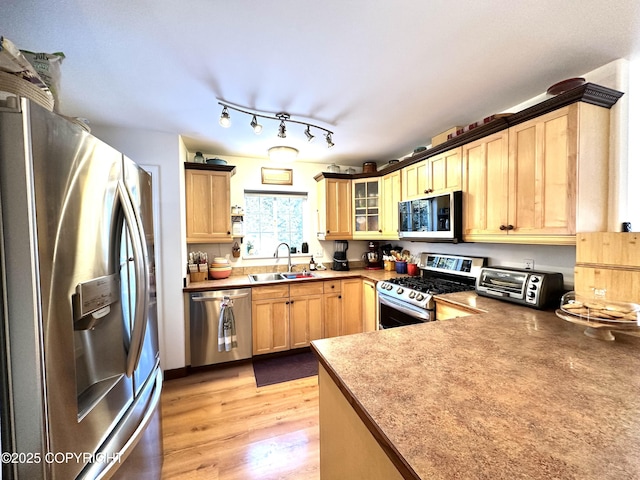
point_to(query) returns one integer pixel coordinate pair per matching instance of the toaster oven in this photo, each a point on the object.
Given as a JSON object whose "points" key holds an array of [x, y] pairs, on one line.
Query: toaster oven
{"points": [[531, 288]]}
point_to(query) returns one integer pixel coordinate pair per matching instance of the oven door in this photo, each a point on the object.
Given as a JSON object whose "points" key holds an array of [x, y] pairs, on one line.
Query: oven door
{"points": [[393, 313]]}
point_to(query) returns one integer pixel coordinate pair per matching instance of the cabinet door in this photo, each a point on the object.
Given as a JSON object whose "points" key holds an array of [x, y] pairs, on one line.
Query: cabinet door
{"points": [[445, 171], [415, 180], [370, 301], [351, 306], [338, 217], [542, 174], [305, 320], [485, 187], [208, 210], [332, 314], [391, 195], [270, 322], [366, 209]]}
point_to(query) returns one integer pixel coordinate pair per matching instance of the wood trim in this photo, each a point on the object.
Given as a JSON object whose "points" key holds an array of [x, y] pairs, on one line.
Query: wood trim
{"points": [[206, 166]]}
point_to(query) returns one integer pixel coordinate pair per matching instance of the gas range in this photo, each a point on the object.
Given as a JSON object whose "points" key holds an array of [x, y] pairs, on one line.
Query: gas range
{"points": [[412, 297], [419, 291]]}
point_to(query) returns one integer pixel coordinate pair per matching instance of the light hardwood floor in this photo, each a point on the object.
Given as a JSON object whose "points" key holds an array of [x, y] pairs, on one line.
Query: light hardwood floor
{"points": [[217, 425]]}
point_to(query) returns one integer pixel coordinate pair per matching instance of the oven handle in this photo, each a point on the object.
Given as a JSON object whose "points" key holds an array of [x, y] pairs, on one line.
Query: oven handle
{"points": [[415, 312]]}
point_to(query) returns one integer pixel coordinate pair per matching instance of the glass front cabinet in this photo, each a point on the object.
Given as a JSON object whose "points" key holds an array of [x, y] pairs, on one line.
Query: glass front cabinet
{"points": [[366, 209]]}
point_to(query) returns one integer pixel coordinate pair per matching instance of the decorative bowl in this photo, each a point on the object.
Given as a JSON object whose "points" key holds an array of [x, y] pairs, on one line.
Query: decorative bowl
{"points": [[564, 85], [219, 273], [216, 161]]}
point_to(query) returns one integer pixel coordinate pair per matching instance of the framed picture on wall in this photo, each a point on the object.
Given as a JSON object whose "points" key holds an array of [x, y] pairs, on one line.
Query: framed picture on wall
{"points": [[277, 176]]}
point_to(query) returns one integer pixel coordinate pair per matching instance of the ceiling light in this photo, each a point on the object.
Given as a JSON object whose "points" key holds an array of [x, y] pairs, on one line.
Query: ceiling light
{"points": [[283, 154], [282, 130], [329, 142], [307, 132], [257, 128], [225, 119]]}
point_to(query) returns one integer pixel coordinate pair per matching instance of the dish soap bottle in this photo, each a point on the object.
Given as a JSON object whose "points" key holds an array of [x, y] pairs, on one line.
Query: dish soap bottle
{"points": [[312, 265]]}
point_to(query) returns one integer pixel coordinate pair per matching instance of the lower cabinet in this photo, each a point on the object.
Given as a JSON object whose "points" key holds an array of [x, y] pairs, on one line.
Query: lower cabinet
{"points": [[270, 318], [286, 316], [305, 314], [369, 305], [343, 307], [447, 311]]}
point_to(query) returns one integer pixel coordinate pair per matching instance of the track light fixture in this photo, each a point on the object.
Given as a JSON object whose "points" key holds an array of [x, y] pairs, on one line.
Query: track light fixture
{"points": [[307, 132], [329, 141], [257, 128], [225, 121]]}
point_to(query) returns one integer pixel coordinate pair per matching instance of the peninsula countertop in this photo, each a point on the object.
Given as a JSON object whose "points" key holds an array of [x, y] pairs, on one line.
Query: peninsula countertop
{"points": [[513, 393]]}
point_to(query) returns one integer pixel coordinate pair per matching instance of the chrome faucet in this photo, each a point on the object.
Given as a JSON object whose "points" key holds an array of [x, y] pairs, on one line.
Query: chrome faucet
{"points": [[288, 253]]}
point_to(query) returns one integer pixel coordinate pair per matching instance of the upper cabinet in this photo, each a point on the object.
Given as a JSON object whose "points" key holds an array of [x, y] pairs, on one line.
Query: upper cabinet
{"points": [[437, 174], [391, 190], [367, 209], [334, 209], [540, 181], [208, 204]]}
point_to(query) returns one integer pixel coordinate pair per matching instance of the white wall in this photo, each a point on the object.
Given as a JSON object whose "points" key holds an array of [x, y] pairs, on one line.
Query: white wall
{"points": [[164, 151]]}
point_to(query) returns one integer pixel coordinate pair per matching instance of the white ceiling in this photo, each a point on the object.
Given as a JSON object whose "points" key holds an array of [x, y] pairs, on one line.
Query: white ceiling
{"points": [[385, 76]]}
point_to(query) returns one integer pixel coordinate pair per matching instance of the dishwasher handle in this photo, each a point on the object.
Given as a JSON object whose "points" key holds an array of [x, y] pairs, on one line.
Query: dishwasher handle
{"points": [[219, 299]]}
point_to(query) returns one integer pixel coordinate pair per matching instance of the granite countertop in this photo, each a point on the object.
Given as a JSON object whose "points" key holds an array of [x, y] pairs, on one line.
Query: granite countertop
{"points": [[514, 393]]}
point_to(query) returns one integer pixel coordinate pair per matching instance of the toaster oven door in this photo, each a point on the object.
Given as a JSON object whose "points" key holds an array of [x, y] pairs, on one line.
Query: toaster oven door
{"points": [[502, 283]]}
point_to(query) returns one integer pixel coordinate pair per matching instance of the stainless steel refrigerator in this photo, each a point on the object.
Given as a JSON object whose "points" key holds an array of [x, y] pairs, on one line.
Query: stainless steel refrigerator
{"points": [[81, 379]]}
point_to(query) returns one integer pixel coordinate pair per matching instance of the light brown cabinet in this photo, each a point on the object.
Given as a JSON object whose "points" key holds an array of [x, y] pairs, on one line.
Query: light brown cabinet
{"points": [[540, 181], [447, 311], [343, 307], [286, 316], [367, 211], [437, 174], [369, 305], [334, 209], [208, 206], [391, 195], [270, 318], [305, 313]]}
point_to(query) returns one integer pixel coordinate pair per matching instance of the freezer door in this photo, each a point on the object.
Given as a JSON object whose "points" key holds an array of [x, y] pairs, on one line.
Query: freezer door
{"points": [[65, 310]]}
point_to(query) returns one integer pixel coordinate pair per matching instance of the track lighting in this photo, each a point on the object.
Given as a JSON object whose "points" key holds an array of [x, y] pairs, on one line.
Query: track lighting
{"points": [[329, 142], [282, 130], [307, 132], [257, 128], [225, 121]]}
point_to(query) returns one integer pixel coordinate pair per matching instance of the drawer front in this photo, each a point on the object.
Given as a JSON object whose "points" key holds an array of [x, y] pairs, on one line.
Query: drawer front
{"points": [[269, 291], [306, 288], [331, 286]]}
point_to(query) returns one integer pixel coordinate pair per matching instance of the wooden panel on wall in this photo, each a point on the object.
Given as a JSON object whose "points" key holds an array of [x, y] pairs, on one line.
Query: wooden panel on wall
{"points": [[608, 248]]}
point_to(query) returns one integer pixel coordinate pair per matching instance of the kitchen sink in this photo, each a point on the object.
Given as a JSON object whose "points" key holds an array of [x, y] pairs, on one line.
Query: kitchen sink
{"points": [[278, 277]]}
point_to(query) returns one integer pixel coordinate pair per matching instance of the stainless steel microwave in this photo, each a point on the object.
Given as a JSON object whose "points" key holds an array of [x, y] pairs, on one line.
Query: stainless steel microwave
{"points": [[436, 218]]}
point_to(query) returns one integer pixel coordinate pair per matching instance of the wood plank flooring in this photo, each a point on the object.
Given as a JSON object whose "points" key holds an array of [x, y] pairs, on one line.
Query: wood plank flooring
{"points": [[217, 425]]}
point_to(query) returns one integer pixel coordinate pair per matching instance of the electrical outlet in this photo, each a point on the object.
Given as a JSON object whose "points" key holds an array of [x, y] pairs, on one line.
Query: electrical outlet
{"points": [[528, 263]]}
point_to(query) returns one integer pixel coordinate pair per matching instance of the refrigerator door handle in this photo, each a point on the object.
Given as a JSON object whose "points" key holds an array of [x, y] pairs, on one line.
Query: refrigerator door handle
{"points": [[142, 280], [218, 299]]}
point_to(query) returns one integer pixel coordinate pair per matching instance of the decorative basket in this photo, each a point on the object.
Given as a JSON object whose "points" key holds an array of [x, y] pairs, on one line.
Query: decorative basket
{"points": [[19, 86]]}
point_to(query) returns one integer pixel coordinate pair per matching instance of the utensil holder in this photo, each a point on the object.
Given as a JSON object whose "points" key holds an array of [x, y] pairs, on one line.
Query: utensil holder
{"points": [[401, 267], [198, 276], [389, 265]]}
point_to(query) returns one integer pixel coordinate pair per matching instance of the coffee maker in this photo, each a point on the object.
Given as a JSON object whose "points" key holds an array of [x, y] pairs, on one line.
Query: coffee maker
{"points": [[340, 261], [373, 258]]}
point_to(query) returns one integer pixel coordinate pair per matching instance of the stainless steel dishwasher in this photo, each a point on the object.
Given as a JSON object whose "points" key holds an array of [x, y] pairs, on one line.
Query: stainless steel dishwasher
{"points": [[204, 316]]}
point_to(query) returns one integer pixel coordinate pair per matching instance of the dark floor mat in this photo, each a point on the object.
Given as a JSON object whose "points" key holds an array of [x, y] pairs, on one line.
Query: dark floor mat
{"points": [[269, 371]]}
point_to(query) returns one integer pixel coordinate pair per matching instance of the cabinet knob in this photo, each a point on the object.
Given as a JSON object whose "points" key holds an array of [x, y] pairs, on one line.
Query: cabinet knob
{"points": [[286, 303], [339, 296], [379, 231], [328, 231], [291, 302], [333, 286], [228, 233], [510, 227], [503, 227]]}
